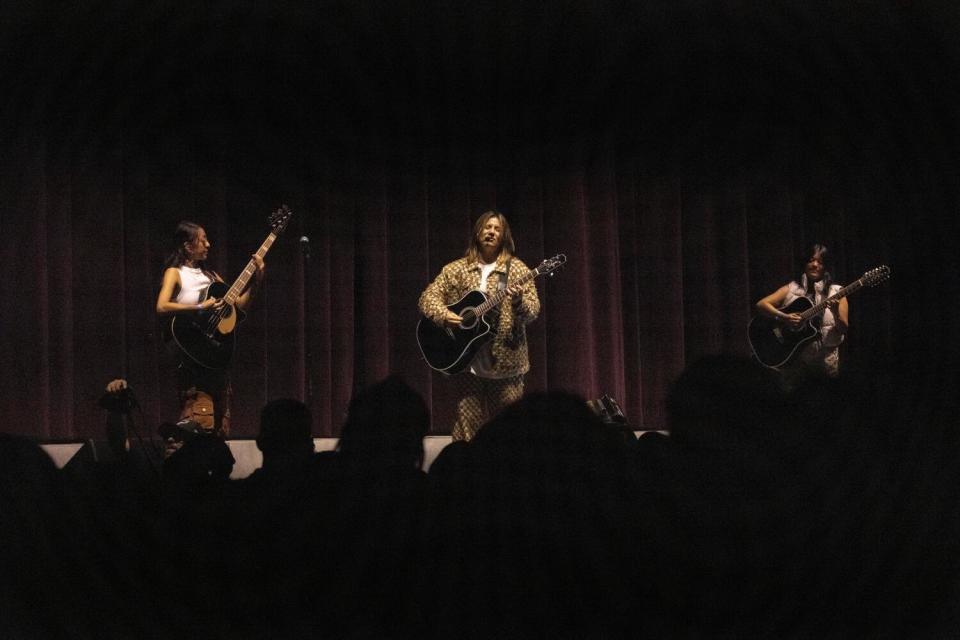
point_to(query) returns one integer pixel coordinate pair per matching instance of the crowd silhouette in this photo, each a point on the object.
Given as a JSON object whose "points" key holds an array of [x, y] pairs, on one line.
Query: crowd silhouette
{"points": [[765, 512]]}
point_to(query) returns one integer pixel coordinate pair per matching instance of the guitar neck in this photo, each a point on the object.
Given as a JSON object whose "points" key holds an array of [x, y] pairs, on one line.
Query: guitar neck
{"points": [[243, 279], [842, 293], [495, 299]]}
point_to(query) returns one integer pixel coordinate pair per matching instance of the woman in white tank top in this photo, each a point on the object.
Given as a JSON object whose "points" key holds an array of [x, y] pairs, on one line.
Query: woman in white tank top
{"points": [[204, 394], [816, 284]]}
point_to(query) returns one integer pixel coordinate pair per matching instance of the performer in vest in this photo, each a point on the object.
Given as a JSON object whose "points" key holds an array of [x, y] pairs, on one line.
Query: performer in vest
{"points": [[822, 354], [204, 393], [496, 374]]}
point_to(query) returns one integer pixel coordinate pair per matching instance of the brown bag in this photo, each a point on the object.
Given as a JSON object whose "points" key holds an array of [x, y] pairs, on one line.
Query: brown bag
{"points": [[198, 406]]}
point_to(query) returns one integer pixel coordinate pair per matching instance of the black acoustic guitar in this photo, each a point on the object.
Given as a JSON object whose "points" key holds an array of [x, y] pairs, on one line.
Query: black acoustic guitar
{"points": [[208, 337], [775, 344], [450, 350]]}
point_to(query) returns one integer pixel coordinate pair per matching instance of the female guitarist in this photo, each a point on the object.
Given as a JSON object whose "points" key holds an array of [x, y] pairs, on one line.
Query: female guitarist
{"points": [[823, 353], [204, 393]]}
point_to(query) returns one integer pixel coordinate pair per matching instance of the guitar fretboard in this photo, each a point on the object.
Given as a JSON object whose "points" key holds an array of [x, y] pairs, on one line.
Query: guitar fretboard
{"points": [[820, 306], [498, 297], [244, 278]]}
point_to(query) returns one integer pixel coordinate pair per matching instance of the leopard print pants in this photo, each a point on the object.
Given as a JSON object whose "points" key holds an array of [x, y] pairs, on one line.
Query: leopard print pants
{"points": [[480, 400]]}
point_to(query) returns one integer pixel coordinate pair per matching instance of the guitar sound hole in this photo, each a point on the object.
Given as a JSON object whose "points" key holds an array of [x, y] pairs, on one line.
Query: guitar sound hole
{"points": [[469, 319]]}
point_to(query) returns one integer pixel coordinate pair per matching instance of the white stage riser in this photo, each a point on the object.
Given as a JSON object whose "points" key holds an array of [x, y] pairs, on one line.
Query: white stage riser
{"points": [[245, 451]]}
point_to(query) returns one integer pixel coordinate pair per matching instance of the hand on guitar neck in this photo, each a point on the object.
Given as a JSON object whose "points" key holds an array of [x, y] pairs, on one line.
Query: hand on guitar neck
{"points": [[515, 293], [246, 296]]}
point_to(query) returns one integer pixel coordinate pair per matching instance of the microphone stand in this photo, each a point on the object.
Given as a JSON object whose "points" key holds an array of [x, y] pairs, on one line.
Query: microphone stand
{"points": [[307, 352]]}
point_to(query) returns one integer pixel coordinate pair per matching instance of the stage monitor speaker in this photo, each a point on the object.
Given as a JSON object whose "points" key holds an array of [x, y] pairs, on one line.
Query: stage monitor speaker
{"points": [[62, 452], [80, 458]]}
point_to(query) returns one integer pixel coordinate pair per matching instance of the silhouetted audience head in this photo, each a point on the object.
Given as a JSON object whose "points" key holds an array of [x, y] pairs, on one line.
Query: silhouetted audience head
{"points": [[723, 397], [551, 435], [23, 462], [451, 459], [285, 430], [39, 578], [550, 419], [28, 481], [202, 460], [386, 424], [527, 512]]}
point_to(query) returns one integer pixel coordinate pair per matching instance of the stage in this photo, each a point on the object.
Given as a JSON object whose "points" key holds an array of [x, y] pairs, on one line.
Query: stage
{"points": [[245, 452]]}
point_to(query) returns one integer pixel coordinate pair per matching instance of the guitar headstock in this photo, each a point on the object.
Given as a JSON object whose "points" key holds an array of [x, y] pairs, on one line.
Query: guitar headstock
{"points": [[551, 264], [280, 218], [876, 276]]}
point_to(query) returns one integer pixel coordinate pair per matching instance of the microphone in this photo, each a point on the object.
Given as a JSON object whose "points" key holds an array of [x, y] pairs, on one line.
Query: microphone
{"points": [[305, 246]]}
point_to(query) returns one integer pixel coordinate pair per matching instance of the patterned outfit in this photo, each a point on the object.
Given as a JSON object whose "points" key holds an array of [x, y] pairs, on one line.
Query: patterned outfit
{"points": [[496, 377]]}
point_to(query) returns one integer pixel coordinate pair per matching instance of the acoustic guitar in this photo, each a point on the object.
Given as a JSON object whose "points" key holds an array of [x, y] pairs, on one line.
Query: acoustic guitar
{"points": [[449, 350], [209, 337], [775, 344]]}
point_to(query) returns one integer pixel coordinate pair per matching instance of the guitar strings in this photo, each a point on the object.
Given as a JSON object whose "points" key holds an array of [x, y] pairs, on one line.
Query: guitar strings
{"points": [[216, 317], [278, 222]]}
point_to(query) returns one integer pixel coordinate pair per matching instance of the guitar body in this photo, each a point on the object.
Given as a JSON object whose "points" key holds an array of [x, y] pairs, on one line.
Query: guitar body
{"points": [[209, 345], [450, 350], [776, 344]]}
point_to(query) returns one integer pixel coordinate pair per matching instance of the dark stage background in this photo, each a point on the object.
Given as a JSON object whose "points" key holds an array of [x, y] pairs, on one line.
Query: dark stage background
{"points": [[679, 153]]}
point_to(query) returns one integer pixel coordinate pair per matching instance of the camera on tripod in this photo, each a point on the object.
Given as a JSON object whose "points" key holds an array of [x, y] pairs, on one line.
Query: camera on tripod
{"points": [[182, 431]]}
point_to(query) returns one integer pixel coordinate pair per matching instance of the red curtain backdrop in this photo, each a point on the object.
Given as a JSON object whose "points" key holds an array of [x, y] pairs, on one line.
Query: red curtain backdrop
{"points": [[661, 270], [680, 157]]}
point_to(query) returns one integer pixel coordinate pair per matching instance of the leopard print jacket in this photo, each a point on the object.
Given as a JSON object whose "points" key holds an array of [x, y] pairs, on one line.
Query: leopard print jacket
{"points": [[509, 346]]}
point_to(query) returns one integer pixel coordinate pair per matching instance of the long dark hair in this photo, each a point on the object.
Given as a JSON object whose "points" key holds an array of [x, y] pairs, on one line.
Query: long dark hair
{"points": [[506, 246], [186, 232], [820, 250]]}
